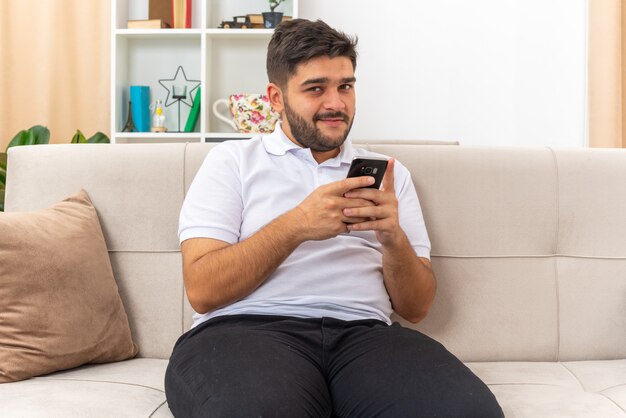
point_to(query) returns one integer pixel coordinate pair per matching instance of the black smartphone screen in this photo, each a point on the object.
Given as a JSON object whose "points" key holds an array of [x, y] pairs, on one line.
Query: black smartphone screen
{"points": [[371, 166]]}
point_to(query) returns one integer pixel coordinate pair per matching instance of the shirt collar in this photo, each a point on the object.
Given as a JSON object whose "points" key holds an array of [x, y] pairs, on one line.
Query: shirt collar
{"points": [[347, 152], [277, 143]]}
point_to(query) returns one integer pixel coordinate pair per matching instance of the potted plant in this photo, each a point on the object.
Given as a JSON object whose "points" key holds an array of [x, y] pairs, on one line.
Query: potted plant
{"points": [[271, 19], [37, 135]]}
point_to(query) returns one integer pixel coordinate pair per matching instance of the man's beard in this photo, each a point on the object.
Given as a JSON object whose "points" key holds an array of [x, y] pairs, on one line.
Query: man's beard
{"points": [[309, 136]]}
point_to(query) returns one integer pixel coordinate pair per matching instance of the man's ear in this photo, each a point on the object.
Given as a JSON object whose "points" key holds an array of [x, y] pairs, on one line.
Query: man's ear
{"points": [[275, 94]]}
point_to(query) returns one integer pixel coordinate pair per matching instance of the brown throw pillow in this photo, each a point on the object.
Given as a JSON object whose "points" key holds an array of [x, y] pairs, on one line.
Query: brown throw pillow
{"points": [[59, 303]]}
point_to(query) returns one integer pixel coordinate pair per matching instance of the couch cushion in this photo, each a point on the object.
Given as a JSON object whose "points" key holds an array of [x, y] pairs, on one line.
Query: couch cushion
{"points": [[132, 388], [59, 301], [484, 202], [600, 376], [154, 295], [148, 373], [586, 389], [481, 309], [592, 207], [592, 308], [136, 188]]}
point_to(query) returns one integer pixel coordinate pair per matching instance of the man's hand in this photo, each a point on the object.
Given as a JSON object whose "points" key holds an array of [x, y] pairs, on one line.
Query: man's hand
{"points": [[409, 280], [382, 216], [322, 214]]}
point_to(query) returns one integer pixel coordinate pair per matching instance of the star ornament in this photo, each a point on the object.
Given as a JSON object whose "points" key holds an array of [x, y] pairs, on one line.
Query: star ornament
{"points": [[180, 81]]}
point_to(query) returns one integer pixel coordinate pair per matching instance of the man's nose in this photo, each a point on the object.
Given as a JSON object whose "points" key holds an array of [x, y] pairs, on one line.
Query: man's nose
{"points": [[333, 100]]}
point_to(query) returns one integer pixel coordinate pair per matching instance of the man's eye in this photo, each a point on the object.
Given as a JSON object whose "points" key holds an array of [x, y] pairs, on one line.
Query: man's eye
{"points": [[346, 87], [315, 89]]}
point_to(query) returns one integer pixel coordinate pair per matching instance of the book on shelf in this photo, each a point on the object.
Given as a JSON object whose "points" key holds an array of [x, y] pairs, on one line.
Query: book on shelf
{"points": [[148, 24], [181, 14], [192, 119], [161, 9]]}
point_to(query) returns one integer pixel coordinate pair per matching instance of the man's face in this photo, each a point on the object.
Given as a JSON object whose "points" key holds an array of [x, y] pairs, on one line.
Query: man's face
{"points": [[319, 103]]}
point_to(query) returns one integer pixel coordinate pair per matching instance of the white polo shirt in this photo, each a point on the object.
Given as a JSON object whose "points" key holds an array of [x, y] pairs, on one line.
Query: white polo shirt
{"points": [[244, 185]]}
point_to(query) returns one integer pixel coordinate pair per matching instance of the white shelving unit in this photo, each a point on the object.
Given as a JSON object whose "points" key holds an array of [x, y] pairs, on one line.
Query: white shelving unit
{"points": [[226, 61]]}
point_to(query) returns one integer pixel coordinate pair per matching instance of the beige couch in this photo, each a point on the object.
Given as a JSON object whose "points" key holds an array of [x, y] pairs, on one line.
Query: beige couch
{"points": [[529, 248]]}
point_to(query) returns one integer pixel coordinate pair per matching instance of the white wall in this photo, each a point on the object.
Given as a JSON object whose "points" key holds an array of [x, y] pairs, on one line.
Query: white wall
{"points": [[493, 72]]}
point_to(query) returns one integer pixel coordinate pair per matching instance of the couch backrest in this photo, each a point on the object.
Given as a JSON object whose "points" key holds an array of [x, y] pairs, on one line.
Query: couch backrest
{"points": [[529, 245]]}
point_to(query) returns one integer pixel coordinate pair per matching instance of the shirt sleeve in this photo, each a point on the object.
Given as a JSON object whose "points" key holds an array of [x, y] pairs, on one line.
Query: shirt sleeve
{"points": [[213, 205], [410, 212]]}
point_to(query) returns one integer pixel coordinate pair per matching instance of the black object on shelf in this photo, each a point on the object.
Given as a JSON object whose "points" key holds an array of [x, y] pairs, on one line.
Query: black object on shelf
{"points": [[130, 124], [179, 89], [271, 19]]}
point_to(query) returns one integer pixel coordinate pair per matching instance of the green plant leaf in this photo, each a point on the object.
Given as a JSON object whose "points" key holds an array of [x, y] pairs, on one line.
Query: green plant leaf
{"points": [[1, 200], [99, 138], [78, 138], [3, 170], [35, 135], [41, 134], [21, 138]]}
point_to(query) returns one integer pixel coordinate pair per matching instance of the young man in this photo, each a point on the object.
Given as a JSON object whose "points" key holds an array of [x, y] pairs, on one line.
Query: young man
{"points": [[294, 270]]}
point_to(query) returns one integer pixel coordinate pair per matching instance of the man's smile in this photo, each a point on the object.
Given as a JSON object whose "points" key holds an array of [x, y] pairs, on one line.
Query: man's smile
{"points": [[333, 120]]}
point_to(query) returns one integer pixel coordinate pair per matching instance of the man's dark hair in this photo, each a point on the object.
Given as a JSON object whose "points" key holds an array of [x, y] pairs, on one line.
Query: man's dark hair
{"points": [[299, 40]]}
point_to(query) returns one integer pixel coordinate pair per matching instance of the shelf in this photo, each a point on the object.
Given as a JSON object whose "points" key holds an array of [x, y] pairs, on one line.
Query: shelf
{"points": [[169, 137], [157, 135], [154, 138], [158, 33], [181, 135], [194, 33], [240, 33], [224, 61]]}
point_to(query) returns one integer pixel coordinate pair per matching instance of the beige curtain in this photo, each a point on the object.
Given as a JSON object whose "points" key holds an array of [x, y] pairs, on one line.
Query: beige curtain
{"points": [[54, 67], [607, 73]]}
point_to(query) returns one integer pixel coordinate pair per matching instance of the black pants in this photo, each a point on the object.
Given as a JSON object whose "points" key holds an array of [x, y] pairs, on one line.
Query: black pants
{"points": [[268, 366]]}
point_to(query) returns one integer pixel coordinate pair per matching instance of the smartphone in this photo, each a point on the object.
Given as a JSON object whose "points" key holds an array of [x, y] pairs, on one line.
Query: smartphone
{"points": [[370, 166]]}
